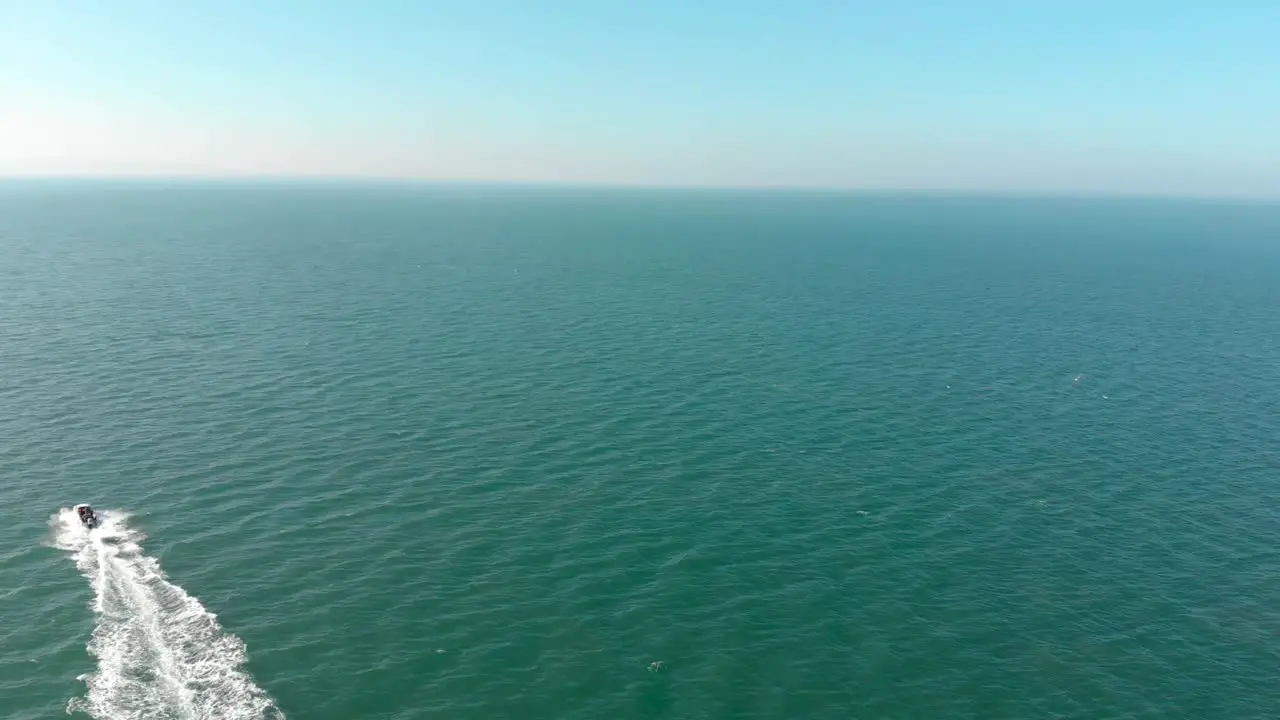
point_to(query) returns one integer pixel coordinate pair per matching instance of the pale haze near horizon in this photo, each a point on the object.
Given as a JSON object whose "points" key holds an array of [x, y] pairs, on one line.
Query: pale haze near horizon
{"points": [[1096, 97]]}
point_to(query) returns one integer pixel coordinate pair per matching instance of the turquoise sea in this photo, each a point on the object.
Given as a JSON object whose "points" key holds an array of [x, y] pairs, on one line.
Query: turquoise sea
{"points": [[400, 451]]}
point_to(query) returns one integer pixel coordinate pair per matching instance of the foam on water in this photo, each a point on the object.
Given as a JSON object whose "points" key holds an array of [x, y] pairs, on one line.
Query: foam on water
{"points": [[160, 653]]}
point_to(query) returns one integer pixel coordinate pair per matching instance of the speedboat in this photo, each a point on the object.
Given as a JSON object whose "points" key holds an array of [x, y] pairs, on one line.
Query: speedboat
{"points": [[87, 515]]}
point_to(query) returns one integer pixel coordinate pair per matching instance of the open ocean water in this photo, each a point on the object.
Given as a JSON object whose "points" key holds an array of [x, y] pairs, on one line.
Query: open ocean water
{"points": [[427, 452]]}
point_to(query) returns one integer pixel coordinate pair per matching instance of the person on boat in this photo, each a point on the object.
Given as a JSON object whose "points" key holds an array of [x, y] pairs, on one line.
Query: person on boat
{"points": [[86, 515]]}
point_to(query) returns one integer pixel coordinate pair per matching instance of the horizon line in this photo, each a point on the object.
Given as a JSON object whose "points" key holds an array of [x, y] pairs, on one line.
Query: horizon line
{"points": [[547, 183]]}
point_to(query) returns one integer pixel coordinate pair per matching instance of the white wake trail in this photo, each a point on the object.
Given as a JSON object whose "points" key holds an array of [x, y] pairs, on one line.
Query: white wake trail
{"points": [[161, 655]]}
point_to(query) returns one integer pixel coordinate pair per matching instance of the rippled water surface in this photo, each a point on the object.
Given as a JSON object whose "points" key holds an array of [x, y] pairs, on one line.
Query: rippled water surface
{"points": [[399, 452]]}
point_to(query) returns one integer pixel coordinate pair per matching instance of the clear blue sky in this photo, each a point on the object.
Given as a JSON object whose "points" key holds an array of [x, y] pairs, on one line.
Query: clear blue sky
{"points": [[1083, 95]]}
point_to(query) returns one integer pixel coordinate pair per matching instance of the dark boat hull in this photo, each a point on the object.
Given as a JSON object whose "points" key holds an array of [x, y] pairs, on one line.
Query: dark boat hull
{"points": [[87, 516]]}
